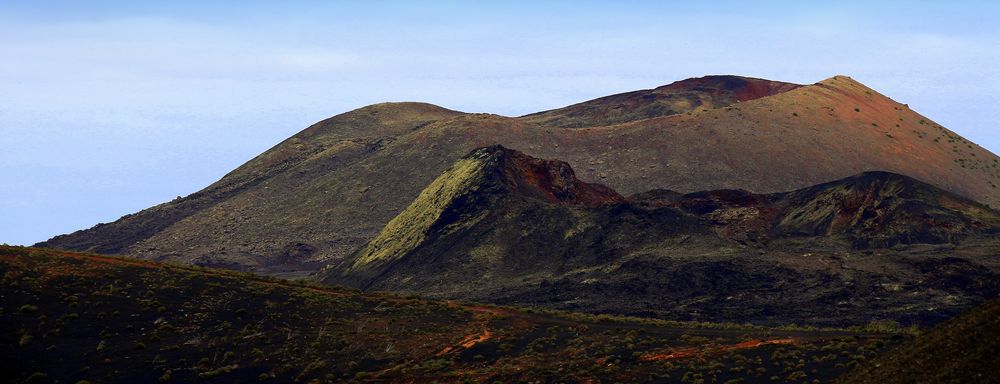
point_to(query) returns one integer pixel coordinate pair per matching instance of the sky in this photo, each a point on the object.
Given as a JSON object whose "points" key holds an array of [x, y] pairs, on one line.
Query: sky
{"points": [[110, 107]]}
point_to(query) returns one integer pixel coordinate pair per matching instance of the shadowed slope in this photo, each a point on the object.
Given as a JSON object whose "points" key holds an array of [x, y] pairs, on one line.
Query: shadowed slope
{"points": [[963, 350]]}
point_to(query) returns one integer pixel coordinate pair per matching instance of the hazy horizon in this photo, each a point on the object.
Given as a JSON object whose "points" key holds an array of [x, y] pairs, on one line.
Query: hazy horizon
{"points": [[110, 107]]}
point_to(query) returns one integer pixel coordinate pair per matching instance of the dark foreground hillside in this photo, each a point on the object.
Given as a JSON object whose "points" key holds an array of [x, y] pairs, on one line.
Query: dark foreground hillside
{"points": [[964, 350], [75, 318]]}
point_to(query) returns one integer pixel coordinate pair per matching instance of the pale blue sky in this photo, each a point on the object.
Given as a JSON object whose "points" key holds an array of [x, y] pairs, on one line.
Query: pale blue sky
{"points": [[108, 107]]}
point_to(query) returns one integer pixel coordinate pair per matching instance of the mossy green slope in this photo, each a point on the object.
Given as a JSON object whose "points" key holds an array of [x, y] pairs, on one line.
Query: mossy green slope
{"points": [[410, 228], [467, 192]]}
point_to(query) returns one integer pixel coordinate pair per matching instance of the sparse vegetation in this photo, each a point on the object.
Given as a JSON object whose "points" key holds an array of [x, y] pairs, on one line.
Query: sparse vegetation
{"points": [[246, 328]]}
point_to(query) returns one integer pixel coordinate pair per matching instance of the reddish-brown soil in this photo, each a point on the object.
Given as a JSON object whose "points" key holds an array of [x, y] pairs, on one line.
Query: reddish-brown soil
{"points": [[680, 97], [744, 89], [553, 181], [468, 342]]}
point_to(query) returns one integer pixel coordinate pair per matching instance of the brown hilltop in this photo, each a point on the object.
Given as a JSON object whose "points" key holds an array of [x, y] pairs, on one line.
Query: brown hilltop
{"points": [[801, 137], [325, 192], [679, 97]]}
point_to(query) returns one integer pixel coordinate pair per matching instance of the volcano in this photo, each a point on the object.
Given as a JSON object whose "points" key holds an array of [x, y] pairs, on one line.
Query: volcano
{"points": [[324, 193]]}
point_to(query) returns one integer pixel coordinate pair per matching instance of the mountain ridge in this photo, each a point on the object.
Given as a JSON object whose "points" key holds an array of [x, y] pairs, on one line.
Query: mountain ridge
{"points": [[323, 193], [708, 92]]}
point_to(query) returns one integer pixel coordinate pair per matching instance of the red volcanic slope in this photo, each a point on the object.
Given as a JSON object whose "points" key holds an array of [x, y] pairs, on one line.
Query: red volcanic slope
{"points": [[742, 88], [683, 96], [551, 180]]}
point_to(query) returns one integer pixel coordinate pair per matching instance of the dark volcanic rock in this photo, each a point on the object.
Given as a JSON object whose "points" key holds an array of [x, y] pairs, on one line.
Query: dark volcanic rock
{"points": [[502, 227]]}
